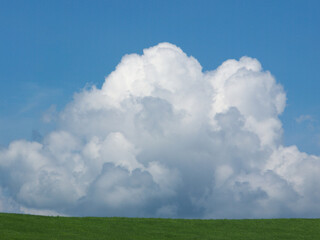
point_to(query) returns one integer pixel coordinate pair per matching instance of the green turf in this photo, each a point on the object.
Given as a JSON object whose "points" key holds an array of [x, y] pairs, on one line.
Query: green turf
{"points": [[16, 226]]}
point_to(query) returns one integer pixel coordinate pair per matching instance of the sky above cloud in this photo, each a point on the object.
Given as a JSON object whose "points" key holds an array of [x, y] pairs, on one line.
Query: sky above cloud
{"points": [[161, 137]]}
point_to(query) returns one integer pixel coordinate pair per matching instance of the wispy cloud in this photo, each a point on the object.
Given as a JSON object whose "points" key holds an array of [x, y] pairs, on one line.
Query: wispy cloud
{"points": [[36, 95], [304, 118]]}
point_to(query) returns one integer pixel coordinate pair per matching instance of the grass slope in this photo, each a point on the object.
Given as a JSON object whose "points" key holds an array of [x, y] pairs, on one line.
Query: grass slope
{"points": [[16, 226]]}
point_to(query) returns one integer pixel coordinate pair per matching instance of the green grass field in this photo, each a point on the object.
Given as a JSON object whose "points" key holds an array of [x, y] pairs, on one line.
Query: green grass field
{"points": [[16, 226]]}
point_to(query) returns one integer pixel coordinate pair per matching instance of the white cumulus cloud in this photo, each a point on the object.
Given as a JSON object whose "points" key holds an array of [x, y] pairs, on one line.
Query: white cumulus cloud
{"points": [[162, 138]]}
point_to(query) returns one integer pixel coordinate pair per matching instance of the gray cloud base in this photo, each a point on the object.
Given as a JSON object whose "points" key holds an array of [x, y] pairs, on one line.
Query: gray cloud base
{"points": [[162, 138]]}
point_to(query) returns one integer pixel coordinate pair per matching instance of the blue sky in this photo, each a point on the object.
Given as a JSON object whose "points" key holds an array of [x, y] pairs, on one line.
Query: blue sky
{"points": [[51, 49], [160, 137]]}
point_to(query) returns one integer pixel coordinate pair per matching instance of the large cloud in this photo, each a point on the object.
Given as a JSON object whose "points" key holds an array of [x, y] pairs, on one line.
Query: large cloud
{"points": [[162, 138]]}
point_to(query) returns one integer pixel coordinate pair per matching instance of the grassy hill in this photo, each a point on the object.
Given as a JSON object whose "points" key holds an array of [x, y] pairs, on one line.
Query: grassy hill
{"points": [[16, 226]]}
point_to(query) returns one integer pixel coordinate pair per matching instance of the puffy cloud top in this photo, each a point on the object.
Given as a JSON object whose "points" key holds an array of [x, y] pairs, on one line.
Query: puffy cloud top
{"points": [[162, 138]]}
